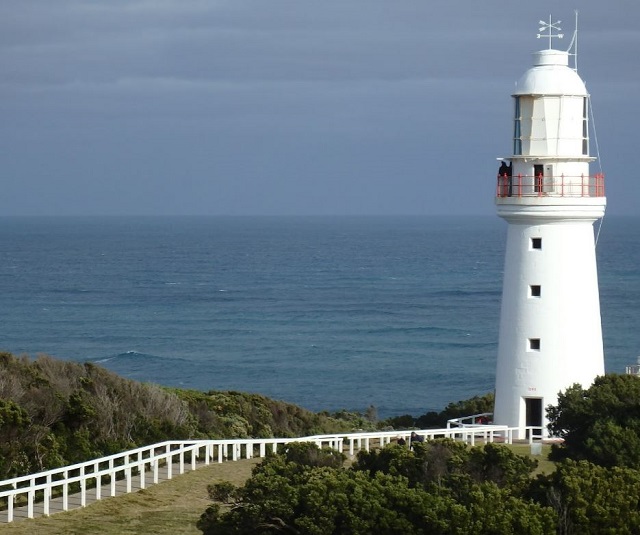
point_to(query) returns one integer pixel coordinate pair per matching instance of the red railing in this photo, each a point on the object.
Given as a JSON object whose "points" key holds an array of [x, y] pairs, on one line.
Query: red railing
{"points": [[550, 186]]}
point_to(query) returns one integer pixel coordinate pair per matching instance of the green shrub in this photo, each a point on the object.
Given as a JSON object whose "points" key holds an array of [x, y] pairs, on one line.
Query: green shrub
{"points": [[222, 492]]}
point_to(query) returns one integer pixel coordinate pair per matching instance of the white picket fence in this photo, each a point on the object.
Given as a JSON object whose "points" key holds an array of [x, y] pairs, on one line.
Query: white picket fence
{"points": [[144, 463], [530, 433]]}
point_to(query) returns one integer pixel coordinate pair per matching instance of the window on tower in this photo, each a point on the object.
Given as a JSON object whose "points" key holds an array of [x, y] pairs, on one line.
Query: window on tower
{"points": [[517, 132], [585, 126], [534, 344], [536, 243], [535, 290]]}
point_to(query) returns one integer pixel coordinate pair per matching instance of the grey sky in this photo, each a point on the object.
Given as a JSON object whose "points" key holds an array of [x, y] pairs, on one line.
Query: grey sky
{"points": [[289, 106]]}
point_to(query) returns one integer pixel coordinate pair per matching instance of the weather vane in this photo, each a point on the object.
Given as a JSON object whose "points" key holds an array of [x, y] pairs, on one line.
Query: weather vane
{"points": [[549, 27]]}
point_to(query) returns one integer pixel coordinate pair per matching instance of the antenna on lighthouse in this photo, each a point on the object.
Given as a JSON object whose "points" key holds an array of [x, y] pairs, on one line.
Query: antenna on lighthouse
{"points": [[549, 27], [574, 45]]}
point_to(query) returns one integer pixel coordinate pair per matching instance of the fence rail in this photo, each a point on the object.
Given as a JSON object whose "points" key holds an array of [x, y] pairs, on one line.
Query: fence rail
{"points": [[554, 186], [144, 463], [532, 433]]}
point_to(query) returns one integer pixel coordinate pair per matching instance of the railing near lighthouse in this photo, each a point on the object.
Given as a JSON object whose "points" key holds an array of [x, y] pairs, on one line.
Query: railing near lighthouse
{"points": [[533, 433], [550, 186], [633, 369], [176, 457]]}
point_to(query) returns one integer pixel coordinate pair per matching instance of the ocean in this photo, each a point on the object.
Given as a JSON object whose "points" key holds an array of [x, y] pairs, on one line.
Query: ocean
{"points": [[329, 313]]}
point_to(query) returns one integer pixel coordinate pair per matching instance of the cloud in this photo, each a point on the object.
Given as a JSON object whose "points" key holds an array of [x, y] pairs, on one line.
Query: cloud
{"points": [[327, 107]]}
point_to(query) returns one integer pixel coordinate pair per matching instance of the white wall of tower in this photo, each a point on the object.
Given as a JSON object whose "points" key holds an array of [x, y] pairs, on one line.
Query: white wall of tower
{"points": [[564, 317]]}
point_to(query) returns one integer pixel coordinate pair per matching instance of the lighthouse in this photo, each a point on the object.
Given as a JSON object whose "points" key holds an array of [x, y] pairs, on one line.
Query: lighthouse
{"points": [[550, 327]]}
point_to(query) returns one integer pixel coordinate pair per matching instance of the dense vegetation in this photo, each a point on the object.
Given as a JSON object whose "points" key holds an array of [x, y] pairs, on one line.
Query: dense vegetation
{"points": [[439, 487], [600, 424], [444, 487], [54, 413], [438, 420]]}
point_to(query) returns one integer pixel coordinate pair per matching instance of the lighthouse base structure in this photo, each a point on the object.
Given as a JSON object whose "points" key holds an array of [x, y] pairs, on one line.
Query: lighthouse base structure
{"points": [[550, 325]]}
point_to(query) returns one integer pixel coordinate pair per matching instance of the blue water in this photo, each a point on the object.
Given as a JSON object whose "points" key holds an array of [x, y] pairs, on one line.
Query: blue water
{"points": [[329, 313]]}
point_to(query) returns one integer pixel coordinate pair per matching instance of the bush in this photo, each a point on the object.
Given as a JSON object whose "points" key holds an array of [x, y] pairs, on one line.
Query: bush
{"points": [[445, 463], [600, 424], [296, 492], [591, 499], [222, 492], [475, 405], [54, 412], [308, 454]]}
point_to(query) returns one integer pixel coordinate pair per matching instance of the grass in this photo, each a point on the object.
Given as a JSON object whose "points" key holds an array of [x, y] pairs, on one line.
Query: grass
{"points": [[172, 507], [545, 466]]}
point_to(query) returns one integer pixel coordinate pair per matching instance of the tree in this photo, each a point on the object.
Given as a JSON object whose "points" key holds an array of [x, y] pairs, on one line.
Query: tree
{"points": [[300, 493], [493, 510], [590, 499], [474, 405], [54, 412], [445, 463], [14, 425], [497, 464], [309, 454], [600, 424]]}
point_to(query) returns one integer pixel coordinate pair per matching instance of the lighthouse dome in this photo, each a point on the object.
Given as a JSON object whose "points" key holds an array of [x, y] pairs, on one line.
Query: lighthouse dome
{"points": [[550, 75]]}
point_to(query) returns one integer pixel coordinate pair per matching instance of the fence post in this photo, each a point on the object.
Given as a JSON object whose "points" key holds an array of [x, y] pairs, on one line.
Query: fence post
{"points": [[127, 476], [156, 465], [65, 494], [141, 469], [47, 495], [83, 491], [10, 500], [30, 498], [112, 473]]}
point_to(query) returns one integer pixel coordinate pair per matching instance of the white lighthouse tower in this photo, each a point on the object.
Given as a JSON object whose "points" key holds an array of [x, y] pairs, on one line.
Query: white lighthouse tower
{"points": [[550, 327]]}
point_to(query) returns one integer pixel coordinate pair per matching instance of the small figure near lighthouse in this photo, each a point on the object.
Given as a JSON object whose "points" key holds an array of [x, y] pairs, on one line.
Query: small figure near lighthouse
{"points": [[550, 327]]}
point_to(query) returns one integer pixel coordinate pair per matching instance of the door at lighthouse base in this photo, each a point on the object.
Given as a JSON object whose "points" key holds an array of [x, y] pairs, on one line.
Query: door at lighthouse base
{"points": [[533, 414]]}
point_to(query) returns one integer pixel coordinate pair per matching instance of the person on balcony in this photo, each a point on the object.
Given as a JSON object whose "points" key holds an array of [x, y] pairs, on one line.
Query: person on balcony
{"points": [[505, 173]]}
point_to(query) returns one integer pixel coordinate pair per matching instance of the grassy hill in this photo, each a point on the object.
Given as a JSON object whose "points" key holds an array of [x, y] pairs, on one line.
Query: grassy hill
{"points": [[170, 508]]}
